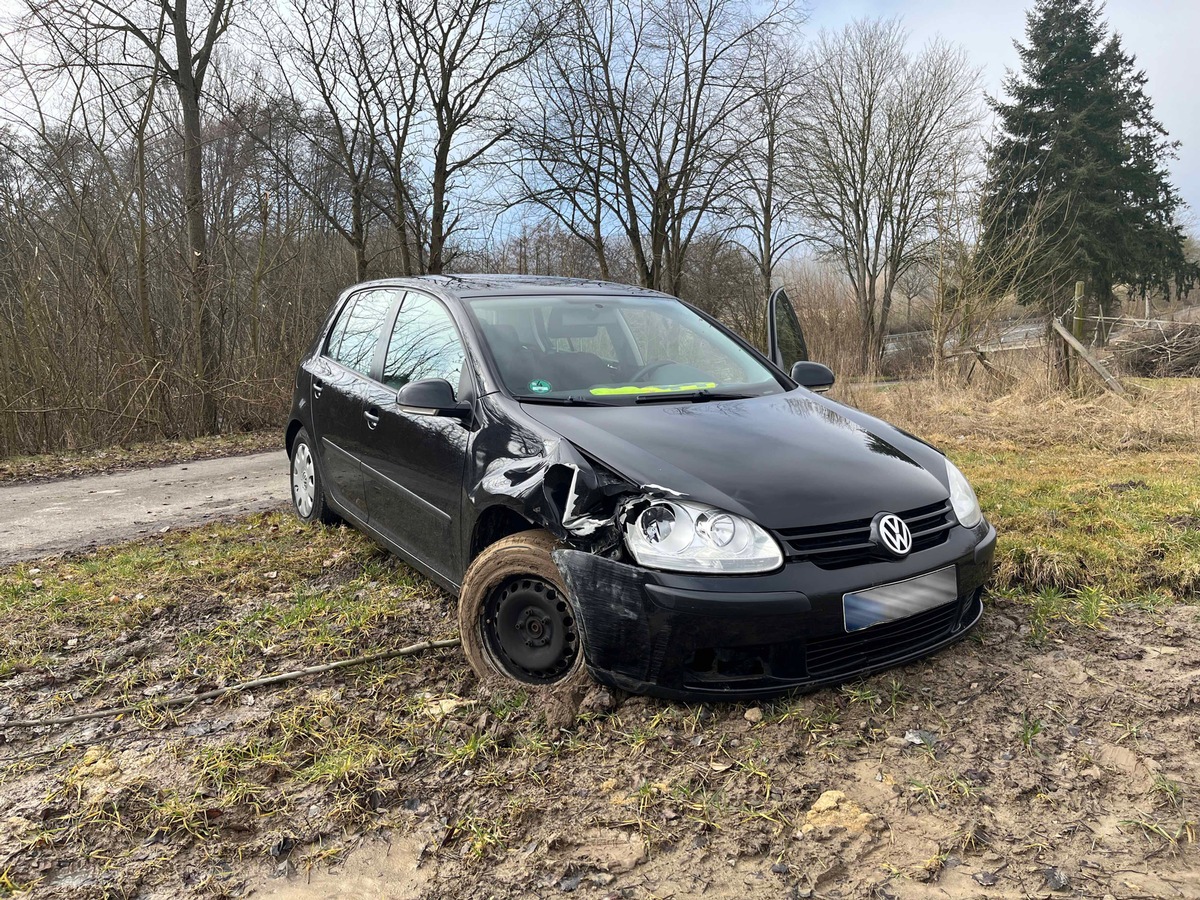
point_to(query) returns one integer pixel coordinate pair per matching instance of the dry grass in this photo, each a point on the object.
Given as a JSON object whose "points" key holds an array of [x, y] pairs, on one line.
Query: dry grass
{"points": [[1096, 498], [1031, 414], [96, 461]]}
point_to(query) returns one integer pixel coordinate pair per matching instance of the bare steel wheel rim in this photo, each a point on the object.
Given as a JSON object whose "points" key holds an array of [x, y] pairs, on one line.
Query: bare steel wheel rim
{"points": [[529, 631], [304, 480]]}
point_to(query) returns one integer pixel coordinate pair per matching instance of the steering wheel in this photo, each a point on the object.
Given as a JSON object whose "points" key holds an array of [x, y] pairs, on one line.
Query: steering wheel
{"points": [[646, 371]]}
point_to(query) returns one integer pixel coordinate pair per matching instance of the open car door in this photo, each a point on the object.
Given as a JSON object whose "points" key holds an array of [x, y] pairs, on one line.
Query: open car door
{"points": [[786, 347], [785, 337]]}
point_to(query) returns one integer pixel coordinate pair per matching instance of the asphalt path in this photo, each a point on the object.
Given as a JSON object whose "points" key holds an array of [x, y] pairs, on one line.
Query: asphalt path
{"points": [[44, 518]]}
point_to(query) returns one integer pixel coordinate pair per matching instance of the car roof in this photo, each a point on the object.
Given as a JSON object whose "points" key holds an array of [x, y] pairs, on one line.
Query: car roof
{"points": [[475, 286]]}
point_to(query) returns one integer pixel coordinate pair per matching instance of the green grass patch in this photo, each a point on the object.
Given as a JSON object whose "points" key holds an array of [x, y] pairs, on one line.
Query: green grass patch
{"points": [[230, 595], [1097, 528]]}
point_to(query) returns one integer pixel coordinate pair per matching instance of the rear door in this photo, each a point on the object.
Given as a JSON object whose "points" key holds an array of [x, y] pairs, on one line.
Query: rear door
{"points": [[413, 464], [785, 337], [341, 380]]}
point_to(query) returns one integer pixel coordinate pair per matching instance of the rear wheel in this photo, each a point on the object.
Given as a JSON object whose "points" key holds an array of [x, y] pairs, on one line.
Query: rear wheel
{"points": [[308, 493], [515, 618]]}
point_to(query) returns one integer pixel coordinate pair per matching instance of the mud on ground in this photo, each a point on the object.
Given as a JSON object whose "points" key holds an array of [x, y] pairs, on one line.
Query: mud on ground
{"points": [[1023, 762]]}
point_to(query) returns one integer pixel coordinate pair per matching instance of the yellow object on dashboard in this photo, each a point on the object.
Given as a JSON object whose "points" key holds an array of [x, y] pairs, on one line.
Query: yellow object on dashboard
{"points": [[651, 389]]}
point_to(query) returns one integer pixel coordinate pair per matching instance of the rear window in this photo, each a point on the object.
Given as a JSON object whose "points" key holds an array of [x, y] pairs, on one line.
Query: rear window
{"points": [[356, 333]]}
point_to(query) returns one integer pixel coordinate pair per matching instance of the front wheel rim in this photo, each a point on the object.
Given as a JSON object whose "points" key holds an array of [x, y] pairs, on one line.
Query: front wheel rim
{"points": [[304, 480], [529, 631]]}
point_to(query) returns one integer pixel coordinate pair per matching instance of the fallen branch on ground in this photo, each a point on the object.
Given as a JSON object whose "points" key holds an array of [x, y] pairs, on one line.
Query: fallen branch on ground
{"points": [[190, 699]]}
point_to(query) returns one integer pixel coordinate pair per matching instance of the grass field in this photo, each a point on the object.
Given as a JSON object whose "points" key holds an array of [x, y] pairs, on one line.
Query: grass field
{"points": [[1058, 749]]}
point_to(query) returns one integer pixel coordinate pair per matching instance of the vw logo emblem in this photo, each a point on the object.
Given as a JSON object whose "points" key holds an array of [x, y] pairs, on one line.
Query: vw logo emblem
{"points": [[893, 534]]}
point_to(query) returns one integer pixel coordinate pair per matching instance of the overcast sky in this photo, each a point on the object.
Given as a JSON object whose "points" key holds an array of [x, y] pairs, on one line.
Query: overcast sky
{"points": [[1161, 34]]}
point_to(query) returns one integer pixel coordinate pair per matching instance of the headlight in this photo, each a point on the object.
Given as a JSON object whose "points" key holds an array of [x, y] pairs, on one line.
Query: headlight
{"points": [[962, 498], [688, 537]]}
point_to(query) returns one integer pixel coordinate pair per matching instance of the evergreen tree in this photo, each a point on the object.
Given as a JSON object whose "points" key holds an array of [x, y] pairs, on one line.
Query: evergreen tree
{"points": [[1080, 154]]}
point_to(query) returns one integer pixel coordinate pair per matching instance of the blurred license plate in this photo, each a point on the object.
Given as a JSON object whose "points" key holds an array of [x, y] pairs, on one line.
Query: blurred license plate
{"points": [[889, 602]]}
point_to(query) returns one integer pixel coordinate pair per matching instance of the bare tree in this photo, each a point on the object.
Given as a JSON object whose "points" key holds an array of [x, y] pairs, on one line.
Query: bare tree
{"points": [[765, 196], [971, 283], [466, 53], [327, 59], [394, 83], [880, 132], [176, 43], [640, 122]]}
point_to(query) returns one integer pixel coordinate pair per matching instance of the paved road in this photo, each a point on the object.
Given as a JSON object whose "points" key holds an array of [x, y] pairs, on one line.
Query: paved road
{"points": [[78, 513]]}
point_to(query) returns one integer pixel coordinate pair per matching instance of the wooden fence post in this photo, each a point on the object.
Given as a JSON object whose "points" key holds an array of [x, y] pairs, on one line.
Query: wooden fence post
{"points": [[1074, 375]]}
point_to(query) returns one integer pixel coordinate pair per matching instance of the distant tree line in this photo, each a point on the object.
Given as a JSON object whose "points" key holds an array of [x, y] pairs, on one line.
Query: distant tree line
{"points": [[185, 187]]}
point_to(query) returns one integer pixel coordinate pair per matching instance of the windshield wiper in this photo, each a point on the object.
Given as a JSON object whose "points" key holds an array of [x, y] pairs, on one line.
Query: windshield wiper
{"points": [[701, 396], [561, 401]]}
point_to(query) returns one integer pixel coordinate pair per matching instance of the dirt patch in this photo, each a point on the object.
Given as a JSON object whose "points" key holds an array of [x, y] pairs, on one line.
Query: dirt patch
{"points": [[1184, 523], [1005, 766], [393, 867], [1121, 487]]}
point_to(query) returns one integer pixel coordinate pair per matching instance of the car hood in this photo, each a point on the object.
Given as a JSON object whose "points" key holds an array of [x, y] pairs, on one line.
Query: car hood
{"points": [[785, 460]]}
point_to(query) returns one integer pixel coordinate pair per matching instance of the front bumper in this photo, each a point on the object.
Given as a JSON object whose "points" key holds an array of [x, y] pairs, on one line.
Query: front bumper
{"points": [[738, 637]]}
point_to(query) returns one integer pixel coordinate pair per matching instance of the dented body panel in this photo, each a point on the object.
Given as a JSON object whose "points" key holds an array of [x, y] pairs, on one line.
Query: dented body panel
{"points": [[521, 465]]}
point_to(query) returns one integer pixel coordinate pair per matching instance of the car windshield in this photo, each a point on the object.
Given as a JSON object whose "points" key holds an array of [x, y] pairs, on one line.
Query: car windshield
{"points": [[615, 351]]}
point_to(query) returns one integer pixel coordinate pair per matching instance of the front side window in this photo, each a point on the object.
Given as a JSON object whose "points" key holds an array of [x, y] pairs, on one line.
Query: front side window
{"points": [[356, 333], [424, 344], [614, 350]]}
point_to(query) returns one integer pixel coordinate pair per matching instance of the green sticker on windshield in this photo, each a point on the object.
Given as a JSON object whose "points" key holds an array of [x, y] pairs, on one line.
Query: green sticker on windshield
{"points": [[539, 386]]}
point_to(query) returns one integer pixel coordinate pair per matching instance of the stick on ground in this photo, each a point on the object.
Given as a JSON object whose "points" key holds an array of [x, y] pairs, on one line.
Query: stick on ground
{"points": [[189, 699]]}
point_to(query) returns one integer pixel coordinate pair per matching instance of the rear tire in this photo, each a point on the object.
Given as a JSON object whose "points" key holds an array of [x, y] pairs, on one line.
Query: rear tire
{"points": [[516, 620], [308, 492]]}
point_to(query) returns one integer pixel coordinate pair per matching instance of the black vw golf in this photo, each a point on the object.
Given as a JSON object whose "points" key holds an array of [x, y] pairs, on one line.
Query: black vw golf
{"points": [[615, 484]]}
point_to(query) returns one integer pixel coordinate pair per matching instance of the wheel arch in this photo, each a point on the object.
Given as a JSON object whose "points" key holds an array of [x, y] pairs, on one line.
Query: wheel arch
{"points": [[495, 523], [293, 429]]}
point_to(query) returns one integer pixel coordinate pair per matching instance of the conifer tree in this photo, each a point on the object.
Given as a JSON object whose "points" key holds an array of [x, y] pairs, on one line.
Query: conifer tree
{"points": [[1078, 146]]}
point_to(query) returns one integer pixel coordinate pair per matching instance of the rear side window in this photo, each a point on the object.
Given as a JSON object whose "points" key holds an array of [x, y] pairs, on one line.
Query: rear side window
{"points": [[356, 332], [424, 344]]}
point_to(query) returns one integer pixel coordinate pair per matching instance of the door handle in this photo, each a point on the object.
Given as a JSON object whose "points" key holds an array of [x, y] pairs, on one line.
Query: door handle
{"points": [[317, 386], [372, 418]]}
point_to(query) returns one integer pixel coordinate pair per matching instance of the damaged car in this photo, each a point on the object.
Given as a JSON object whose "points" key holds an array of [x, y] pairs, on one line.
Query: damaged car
{"points": [[616, 486]]}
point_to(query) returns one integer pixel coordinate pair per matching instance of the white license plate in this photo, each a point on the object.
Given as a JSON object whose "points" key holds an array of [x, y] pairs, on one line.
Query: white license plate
{"points": [[888, 602]]}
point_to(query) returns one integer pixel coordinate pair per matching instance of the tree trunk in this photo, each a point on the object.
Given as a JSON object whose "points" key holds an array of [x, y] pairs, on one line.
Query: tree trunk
{"points": [[437, 214], [358, 232], [208, 363]]}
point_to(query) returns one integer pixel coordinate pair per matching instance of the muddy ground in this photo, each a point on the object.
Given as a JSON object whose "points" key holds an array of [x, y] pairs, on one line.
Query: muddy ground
{"points": [[1023, 762]]}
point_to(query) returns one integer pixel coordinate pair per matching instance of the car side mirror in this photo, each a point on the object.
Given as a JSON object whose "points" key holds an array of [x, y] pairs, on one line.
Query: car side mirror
{"points": [[431, 397], [813, 376]]}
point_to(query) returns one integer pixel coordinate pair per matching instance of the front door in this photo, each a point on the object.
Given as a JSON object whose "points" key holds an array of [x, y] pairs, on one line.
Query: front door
{"points": [[341, 380], [413, 465], [785, 337]]}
